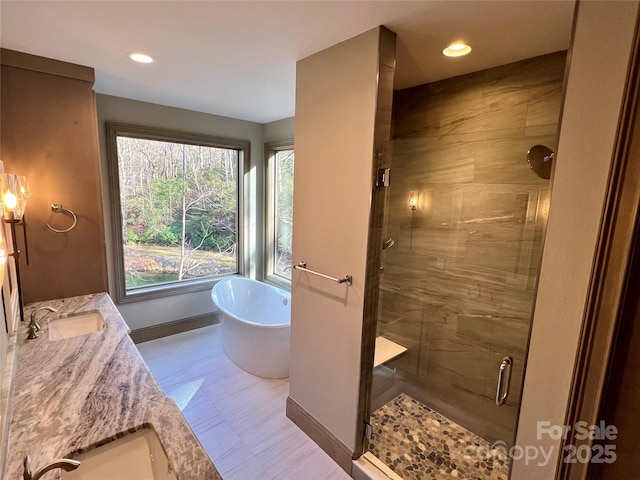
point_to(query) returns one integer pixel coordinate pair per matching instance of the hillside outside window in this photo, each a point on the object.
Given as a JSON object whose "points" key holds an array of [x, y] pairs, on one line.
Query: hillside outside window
{"points": [[175, 209]]}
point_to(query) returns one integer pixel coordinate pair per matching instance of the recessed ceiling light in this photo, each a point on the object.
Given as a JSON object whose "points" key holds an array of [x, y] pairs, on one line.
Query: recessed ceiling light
{"points": [[457, 49], [141, 57]]}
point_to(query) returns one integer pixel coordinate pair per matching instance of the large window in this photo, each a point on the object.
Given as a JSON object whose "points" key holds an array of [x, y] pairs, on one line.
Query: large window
{"points": [[175, 201], [279, 217]]}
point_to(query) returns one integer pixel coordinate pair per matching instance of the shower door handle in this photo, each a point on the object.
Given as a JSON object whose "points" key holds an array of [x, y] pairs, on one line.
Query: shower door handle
{"points": [[502, 392]]}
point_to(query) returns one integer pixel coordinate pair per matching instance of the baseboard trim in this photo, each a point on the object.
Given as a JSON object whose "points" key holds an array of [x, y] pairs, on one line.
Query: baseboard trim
{"points": [[154, 332], [326, 440]]}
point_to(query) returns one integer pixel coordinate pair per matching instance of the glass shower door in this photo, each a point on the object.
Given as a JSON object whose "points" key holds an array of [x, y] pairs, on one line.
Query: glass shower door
{"points": [[464, 224]]}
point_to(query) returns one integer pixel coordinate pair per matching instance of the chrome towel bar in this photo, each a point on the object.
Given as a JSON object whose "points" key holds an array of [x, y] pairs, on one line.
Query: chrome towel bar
{"points": [[303, 266]]}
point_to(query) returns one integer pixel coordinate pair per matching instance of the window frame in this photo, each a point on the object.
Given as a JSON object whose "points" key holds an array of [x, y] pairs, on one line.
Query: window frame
{"points": [[270, 151], [114, 130]]}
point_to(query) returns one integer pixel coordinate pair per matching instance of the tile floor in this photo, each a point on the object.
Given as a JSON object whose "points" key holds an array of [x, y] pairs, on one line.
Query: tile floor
{"points": [[239, 418], [418, 444]]}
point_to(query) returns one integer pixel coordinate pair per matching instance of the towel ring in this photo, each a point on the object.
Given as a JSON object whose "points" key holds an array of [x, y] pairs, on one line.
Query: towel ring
{"points": [[58, 208]]}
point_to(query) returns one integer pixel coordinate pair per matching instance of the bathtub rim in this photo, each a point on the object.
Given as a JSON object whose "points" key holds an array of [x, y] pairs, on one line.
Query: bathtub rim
{"points": [[222, 309]]}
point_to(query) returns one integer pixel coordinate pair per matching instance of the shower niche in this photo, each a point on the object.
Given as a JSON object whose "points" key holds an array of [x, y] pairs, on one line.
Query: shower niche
{"points": [[465, 214]]}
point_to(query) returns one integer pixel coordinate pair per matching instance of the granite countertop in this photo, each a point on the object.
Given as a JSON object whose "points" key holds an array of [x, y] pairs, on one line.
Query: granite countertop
{"points": [[72, 394]]}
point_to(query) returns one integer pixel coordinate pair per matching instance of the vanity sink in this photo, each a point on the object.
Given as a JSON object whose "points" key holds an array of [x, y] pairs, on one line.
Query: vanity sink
{"points": [[137, 456], [75, 325]]}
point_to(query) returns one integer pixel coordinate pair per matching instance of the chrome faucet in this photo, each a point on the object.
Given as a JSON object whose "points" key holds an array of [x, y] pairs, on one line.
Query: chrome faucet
{"points": [[64, 463], [33, 324]]}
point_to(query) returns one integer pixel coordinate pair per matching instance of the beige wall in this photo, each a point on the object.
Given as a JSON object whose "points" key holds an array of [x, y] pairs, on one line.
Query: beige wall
{"points": [[335, 113], [278, 130], [114, 109], [597, 74]]}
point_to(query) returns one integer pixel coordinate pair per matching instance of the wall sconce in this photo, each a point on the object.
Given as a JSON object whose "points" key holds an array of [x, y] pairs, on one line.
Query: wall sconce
{"points": [[413, 201], [15, 192], [14, 195]]}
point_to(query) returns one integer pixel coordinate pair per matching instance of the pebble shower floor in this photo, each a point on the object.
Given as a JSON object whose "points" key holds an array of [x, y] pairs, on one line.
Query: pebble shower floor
{"points": [[419, 444]]}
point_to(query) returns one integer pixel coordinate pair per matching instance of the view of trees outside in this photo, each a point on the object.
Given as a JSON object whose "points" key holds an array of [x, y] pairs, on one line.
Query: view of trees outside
{"points": [[283, 211], [179, 210]]}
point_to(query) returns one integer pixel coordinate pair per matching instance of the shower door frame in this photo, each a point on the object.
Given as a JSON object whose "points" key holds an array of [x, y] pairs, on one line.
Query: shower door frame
{"points": [[379, 186], [618, 238], [381, 161]]}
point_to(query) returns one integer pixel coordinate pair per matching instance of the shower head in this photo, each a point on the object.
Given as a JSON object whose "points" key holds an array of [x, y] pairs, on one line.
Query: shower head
{"points": [[388, 243], [540, 159]]}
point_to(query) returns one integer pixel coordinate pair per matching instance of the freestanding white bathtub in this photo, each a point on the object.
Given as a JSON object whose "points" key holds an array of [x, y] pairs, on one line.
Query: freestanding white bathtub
{"points": [[256, 325]]}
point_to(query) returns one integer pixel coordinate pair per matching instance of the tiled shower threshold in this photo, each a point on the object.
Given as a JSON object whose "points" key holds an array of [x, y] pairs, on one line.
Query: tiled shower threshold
{"points": [[418, 443]]}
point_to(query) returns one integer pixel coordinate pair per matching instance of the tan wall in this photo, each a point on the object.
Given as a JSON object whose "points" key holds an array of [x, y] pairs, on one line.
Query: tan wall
{"points": [[335, 111], [597, 75], [49, 134], [278, 130], [459, 283]]}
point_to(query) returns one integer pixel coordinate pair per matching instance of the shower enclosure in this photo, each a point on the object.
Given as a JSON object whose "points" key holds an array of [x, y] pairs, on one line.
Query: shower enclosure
{"points": [[463, 229]]}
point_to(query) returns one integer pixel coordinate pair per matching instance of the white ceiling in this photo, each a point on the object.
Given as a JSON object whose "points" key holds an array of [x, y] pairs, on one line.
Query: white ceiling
{"points": [[237, 58]]}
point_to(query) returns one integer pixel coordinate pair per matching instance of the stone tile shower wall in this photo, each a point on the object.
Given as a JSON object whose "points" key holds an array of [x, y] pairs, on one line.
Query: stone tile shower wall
{"points": [[458, 286]]}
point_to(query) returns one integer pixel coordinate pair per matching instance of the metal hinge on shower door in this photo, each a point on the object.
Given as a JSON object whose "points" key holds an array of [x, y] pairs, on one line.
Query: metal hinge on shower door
{"points": [[383, 179], [368, 430]]}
